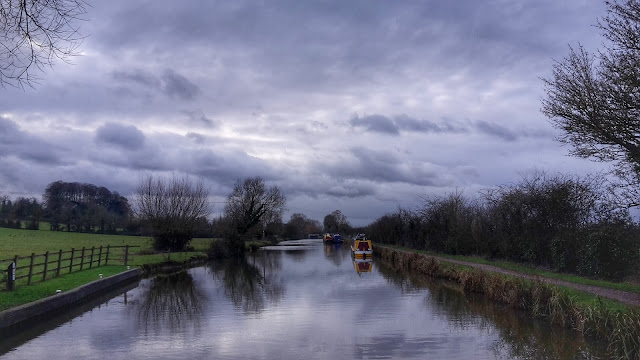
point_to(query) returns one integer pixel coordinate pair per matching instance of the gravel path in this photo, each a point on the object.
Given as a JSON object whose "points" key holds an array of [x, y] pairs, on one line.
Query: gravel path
{"points": [[622, 296]]}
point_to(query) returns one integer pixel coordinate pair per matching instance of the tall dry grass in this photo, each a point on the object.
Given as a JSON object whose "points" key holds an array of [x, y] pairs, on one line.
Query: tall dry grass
{"points": [[621, 330]]}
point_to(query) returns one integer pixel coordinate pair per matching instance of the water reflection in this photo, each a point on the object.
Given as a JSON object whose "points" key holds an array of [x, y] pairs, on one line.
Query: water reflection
{"points": [[170, 301], [520, 337], [301, 300], [251, 283], [363, 266], [333, 252]]}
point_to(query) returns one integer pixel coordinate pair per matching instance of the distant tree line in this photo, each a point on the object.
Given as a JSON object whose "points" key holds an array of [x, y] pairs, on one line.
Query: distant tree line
{"points": [[568, 224], [170, 210], [69, 206], [85, 207], [27, 211]]}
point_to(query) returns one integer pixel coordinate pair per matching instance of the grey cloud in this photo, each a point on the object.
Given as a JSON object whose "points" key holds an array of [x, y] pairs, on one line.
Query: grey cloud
{"points": [[124, 136], [388, 125], [138, 76], [382, 167], [25, 146], [407, 123], [198, 118], [169, 82], [41, 155], [228, 167], [197, 138], [233, 58], [350, 190], [9, 132], [375, 123], [178, 86], [497, 130]]}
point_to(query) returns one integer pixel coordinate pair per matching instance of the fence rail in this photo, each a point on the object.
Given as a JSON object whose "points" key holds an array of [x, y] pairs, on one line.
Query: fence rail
{"points": [[25, 270]]}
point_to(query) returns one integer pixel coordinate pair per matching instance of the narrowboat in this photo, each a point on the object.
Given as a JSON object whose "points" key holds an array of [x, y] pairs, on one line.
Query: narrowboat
{"points": [[337, 238], [361, 248], [327, 237]]}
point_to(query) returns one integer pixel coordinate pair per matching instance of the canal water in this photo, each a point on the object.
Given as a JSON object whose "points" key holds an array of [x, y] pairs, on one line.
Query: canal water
{"points": [[304, 300]]}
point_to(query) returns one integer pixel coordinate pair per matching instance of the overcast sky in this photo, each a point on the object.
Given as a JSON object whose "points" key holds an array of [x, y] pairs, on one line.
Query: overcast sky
{"points": [[361, 106]]}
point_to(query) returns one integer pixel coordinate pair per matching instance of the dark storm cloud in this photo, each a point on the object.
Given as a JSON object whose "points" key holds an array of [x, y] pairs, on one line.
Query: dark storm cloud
{"points": [[124, 136]]}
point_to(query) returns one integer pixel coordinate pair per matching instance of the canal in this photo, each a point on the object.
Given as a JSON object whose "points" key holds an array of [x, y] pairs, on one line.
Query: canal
{"points": [[302, 300]]}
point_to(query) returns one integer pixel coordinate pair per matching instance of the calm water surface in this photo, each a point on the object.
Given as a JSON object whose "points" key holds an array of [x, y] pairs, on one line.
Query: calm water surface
{"points": [[303, 300]]}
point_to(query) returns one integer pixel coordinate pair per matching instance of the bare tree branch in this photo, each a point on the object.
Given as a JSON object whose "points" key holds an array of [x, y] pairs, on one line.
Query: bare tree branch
{"points": [[595, 99], [34, 34]]}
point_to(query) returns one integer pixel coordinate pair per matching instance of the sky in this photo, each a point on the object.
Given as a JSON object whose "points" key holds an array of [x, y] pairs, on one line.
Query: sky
{"points": [[362, 106]]}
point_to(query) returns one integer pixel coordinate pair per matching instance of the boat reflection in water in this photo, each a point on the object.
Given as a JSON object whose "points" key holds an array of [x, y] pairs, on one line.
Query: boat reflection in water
{"points": [[363, 265]]}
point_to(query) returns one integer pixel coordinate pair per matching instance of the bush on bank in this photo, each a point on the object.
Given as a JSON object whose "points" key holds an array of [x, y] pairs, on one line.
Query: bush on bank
{"points": [[565, 223]]}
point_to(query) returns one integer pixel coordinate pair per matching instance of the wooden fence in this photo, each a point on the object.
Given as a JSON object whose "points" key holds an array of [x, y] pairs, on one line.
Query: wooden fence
{"points": [[40, 267]]}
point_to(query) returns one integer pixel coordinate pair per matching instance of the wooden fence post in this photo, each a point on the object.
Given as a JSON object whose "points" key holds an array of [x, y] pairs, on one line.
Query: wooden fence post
{"points": [[106, 260], [11, 276], [82, 259], [15, 260], [30, 269], [100, 256], [59, 263], [91, 261], [126, 255], [46, 266], [73, 251]]}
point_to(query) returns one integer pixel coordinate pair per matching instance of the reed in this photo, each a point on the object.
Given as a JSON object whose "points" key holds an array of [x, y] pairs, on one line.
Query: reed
{"points": [[620, 329]]}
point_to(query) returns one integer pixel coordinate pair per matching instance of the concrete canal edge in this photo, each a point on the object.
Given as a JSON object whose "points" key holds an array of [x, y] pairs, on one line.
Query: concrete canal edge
{"points": [[33, 311]]}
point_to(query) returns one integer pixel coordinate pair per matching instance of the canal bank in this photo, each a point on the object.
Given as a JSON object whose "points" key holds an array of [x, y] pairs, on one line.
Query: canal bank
{"points": [[22, 316], [18, 318], [620, 329]]}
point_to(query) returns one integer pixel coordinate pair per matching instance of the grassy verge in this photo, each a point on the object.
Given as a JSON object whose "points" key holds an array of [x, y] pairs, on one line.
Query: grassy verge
{"points": [[26, 294], [256, 244], [25, 242], [623, 286], [615, 323]]}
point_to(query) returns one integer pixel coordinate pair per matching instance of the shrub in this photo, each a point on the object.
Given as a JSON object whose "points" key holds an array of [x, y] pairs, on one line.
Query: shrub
{"points": [[230, 246], [566, 223]]}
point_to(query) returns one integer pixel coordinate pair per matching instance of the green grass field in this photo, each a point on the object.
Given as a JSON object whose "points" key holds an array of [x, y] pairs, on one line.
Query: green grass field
{"points": [[26, 242]]}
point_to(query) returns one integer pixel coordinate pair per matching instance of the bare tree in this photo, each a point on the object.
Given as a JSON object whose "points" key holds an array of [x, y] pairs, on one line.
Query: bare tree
{"points": [[336, 222], [171, 209], [251, 203], [595, 99], [33, 34]]}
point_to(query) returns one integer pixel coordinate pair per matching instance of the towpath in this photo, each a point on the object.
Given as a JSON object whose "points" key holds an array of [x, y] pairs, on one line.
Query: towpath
{"points": [[622, 296]]}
